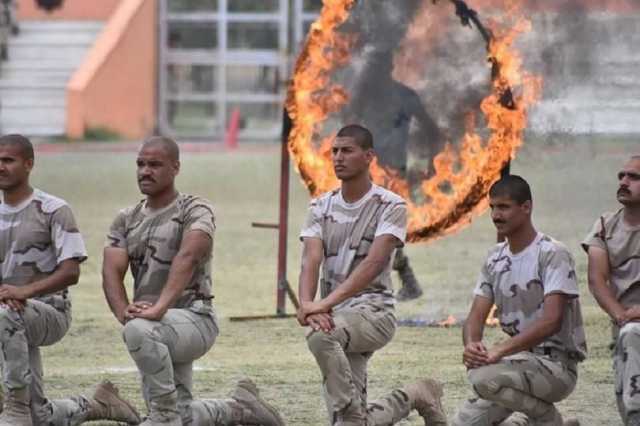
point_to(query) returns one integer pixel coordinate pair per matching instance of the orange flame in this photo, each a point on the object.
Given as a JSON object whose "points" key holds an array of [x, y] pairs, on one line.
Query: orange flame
{"points": [[449, 322], [468, 170]]}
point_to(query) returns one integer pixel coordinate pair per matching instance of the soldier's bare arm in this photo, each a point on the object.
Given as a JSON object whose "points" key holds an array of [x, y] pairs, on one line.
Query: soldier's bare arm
{"points": [[65, 275], [312, 256], [370, 267], [550, 323], [598, 277], [475, 353], [194, 247], [114, 267]]}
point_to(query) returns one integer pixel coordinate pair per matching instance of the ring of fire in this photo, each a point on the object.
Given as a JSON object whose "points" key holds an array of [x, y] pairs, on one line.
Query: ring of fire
{"points": [[468, 169]]}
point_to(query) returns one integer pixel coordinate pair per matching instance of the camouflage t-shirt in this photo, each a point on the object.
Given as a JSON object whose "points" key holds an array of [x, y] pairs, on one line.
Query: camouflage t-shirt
{"points": [[35, 237], [623, 243], [152, 239], [518, 283], [347, 231]]}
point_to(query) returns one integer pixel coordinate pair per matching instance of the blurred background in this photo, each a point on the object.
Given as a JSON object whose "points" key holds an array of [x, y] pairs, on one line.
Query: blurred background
{"points": [[189, 68]]}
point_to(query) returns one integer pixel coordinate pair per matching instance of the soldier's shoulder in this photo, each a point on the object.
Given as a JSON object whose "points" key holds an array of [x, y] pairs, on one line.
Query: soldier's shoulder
{"points": [[551, 246], [610, 218], [48, 203], [131, 210], [496, 251], [189, 202], [324, 198], [388, 196]]}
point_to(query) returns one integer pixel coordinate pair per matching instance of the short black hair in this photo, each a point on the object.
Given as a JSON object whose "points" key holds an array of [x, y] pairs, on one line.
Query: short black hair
{"points": [[360, 134], [167, 143], [512, 186], [22, 142]]}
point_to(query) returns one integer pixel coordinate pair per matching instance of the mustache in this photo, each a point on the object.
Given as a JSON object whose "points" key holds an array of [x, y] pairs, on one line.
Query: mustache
{"points": [[499, 222], [146, 179], [623, 191]]}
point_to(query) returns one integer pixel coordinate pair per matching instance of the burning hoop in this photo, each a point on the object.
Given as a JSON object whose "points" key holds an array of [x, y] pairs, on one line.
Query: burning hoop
{"points": [[452, 187]]}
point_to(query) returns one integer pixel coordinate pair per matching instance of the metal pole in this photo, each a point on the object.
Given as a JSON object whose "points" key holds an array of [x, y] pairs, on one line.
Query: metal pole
{"points": [[283, 223]]}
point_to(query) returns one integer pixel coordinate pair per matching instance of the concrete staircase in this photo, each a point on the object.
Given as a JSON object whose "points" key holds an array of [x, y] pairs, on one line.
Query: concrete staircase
{"points": [[33, 82]]}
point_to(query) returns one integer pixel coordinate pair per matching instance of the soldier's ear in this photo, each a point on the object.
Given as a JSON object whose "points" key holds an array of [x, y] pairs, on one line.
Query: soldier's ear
{"points": [[28, 164], [527, 206], [176, 166], [370, 155]]}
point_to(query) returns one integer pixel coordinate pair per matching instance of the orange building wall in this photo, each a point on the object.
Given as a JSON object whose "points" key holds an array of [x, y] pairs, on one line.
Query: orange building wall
{"points": [[115, 87], [98, 10]]}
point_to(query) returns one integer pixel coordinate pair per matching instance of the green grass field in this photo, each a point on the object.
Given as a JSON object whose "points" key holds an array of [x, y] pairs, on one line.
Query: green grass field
{"points": [[572, 184]]}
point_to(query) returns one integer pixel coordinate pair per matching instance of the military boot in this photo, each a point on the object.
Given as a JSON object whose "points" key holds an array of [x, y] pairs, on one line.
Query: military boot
{"points": [[106, 404], [425, 396], [410, 287], [251, 409], [163, 411], [17, 408]]}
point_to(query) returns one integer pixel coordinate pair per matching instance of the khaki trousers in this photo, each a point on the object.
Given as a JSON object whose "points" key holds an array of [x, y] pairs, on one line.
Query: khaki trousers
{"points": [[21, 335], [524, 382], [164, 352], [626, 368], [342, 356]]}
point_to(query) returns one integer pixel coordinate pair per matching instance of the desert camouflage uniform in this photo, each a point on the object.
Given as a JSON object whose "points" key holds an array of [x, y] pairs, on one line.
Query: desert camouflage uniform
{"points": [[529, 382], [35, 237], [164, 350], [622, 242], [365, 322]]}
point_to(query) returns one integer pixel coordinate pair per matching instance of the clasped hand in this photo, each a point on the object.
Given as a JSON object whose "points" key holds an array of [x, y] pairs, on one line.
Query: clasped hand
{"points": [[477, 355], [146, 310], [316, 316]]}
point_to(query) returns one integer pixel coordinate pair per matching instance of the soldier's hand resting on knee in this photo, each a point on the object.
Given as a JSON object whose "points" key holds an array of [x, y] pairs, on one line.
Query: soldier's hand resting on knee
{"points": [[475, 355]]}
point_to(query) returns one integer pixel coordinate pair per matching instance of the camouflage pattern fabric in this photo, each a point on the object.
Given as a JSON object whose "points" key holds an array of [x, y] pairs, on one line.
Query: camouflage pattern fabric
{"points": [[623, 245], [524, 382], [164, 352], [35, 237], [347, 231], [622, 242], [343, 354], [152, 239], [626, 366], [21, 335], [518, 284]]}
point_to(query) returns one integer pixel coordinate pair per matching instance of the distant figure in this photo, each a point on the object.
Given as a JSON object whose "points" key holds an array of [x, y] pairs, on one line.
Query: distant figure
{"points": [[350, 235], [531, 279], [395, 115], [613, 247]]}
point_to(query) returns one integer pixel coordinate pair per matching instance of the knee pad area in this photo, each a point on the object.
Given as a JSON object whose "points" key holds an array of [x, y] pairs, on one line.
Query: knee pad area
{"points": [[135, 332], [8, 319], [319, 341], [484, 384]]}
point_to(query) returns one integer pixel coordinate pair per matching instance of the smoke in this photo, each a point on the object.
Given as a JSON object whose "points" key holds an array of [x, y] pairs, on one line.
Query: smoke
{"points": [[416, 77]]}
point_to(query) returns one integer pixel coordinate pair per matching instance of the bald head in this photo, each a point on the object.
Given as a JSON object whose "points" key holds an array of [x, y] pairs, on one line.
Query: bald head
{"points": [[167, 144]]}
